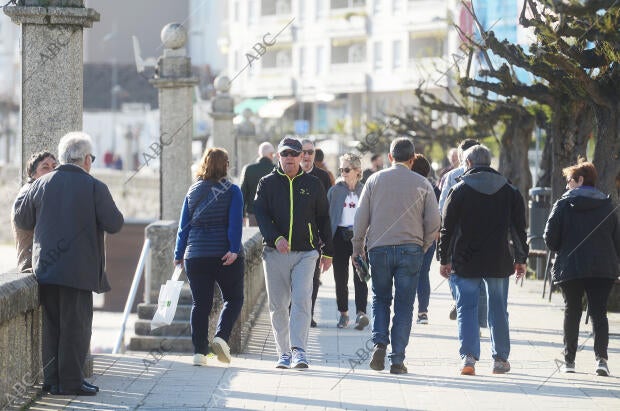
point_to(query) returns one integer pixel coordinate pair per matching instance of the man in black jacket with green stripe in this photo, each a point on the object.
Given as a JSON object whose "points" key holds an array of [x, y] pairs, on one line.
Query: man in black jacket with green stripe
{"points": [[293, 216]]}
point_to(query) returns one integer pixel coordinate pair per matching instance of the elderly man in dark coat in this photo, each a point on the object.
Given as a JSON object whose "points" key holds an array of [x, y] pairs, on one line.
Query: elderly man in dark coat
{"points": [[69, 211]]}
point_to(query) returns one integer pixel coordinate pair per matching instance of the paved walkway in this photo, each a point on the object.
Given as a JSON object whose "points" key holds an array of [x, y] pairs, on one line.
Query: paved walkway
{"points": [[340, 378]]}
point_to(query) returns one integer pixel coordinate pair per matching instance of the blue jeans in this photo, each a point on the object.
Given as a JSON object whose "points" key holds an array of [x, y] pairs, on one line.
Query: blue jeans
{"points": [[424, 283], [482, 301], [398, 265], [467, 295]]}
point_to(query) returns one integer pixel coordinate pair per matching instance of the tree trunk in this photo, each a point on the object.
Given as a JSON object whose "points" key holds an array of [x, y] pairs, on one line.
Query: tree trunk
{"points": [[513, 159], [546, 163], [572, 125], [607, 151]]}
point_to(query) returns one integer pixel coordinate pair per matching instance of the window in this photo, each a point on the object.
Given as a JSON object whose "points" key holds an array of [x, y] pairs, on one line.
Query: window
{"points": [[396, 54], [377, 6], [281, 58], [397, 6], [251, 12], [319, 9], [236, 11], [344, 52], [378, 55], [319, 59], [273, 7], [343, 4], [420, 47], [302, 61]]}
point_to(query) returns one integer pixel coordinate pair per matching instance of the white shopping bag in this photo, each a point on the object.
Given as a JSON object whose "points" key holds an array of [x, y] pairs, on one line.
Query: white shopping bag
{"points": [[168, 299]]}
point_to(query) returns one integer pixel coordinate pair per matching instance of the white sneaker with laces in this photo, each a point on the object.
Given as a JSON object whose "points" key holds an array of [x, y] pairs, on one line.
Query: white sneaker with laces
{"points": [[221, 350], [601, 368], [200, 360]]}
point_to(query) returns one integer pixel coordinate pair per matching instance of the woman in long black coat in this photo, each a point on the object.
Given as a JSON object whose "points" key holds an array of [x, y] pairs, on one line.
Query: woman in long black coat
{"points": [[584, 231]]}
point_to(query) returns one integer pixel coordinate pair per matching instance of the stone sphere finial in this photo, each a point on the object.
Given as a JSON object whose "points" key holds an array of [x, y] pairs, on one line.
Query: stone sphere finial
{"points": [[222, 83], [173, 36]]}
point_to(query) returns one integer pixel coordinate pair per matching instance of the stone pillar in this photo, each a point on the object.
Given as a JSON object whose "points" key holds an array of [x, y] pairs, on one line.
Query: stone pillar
{"points": [[223, 113], [176, 87], [247, 144], [52, 70], [162, 235]]}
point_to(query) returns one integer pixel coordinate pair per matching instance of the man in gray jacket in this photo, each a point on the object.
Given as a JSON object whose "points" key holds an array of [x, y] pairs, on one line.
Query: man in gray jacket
{"points": [[69, 211], [399, 218]]}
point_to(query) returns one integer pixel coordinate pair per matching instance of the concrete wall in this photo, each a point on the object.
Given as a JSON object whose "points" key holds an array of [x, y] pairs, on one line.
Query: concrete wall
{"points": [[20, 338]]}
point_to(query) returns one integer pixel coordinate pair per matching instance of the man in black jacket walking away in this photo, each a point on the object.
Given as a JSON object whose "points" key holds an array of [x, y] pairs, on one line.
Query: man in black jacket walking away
{"points": [[293, 216], [481, 212], [251, 175]]}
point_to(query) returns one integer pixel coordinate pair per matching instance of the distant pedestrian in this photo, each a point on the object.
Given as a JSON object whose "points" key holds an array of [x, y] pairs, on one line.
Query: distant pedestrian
{"points": [[319, 161], [343, 201], [251, 175], [293, 216], [397, 219], [481, 213], [308, 155], [307, 164], [583, 229], [69, 211], [377, 165], [209, 242], [453, 162], [423, 168], [39, 164]]}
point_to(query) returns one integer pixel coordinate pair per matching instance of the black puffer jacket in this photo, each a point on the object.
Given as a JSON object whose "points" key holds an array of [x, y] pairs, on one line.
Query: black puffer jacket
{"points": [[583, 230]]}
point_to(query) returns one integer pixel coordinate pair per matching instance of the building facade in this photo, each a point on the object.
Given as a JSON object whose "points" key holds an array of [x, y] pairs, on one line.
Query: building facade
{"points": [[337, 63]]}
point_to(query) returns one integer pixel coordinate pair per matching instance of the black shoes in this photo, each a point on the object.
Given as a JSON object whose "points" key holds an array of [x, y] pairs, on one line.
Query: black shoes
{"points": [[398, 369], [377, 362], [85, 389], [312, 323], [86, 383]]}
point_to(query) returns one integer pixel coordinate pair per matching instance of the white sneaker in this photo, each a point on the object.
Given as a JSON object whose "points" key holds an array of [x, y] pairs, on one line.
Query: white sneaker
{"points": [[221, 349], [568, 368], [601, 368], [200, 359]]}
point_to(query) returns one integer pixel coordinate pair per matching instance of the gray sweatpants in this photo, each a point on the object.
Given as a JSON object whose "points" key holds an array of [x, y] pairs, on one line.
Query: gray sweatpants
{"points": [[289, 283]]}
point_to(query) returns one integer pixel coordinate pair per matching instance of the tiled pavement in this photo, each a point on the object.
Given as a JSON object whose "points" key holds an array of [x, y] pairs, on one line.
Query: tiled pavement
{"points": [[339, 376]]}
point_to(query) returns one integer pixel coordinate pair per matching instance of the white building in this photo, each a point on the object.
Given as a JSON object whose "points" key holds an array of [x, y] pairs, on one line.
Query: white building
{"points": [[336, 63]]}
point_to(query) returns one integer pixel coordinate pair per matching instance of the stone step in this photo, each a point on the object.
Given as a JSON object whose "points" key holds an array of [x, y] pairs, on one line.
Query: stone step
{"points": [[177, 328], [184, 298], [146, 312], [161, 344]]}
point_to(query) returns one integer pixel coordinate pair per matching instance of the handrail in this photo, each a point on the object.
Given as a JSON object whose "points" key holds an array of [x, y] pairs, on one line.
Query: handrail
{"points": [[132, 295]]}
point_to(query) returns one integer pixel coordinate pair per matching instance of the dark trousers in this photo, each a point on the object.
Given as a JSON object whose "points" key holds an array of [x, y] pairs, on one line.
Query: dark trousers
{"points": [[343, 249], [597, 291], [67, 326], [202, 274]]}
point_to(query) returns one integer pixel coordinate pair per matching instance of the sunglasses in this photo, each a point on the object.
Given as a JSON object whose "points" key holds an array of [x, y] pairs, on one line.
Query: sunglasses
{"points": [[309, 152], [346, 170], [92, 158], [290, 153]]}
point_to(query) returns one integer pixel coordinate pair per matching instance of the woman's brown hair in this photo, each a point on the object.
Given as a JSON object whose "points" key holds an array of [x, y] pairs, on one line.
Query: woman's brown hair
{"points": [[214, 164], [421, 165], [583, 169]]}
